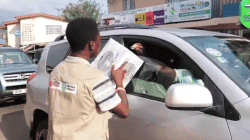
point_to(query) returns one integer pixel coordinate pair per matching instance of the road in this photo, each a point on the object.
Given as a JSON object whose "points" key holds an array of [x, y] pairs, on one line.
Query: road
{"points": [[12, 122]]}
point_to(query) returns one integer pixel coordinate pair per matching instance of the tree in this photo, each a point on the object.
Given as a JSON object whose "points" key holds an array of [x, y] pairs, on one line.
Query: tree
{"points": [[82, 9]]}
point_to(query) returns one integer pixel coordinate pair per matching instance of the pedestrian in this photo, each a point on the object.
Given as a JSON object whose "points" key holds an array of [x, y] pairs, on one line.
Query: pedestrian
{"points": [[81, 98]]}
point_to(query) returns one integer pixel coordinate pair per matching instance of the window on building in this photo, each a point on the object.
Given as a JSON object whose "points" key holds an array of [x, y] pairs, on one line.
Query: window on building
{"points": [[27, 32], [53, 29], [128, 4]]}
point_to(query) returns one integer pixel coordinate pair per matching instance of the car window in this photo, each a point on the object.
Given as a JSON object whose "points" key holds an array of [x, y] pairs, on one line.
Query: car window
{"points": [[164, 65], [230, 54], [56, 54], [38, 54], [103, 42], [13, 57]]}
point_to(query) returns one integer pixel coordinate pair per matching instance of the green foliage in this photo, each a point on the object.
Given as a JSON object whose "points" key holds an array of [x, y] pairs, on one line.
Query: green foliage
{"points": [[82, 9]]}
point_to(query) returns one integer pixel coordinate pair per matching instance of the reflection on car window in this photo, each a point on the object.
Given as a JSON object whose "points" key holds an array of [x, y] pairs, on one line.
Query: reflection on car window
{"points": [[231, 54], [13, 57]]}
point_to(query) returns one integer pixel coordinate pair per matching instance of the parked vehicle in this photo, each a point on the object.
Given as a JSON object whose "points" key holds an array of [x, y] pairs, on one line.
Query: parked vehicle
{"points": [[36, 55], [15, 69], [218, 110]]}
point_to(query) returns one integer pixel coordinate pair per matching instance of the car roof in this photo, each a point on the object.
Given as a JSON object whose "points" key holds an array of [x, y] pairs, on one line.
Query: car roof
{"points": [[138, 29], [191, 32]]}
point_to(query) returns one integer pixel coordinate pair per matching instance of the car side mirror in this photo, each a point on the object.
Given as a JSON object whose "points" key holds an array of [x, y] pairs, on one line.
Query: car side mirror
{"points": [[188, 97], [35, 60]]}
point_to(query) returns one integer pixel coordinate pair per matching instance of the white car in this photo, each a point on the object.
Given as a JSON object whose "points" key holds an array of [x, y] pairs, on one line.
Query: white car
{"points": [[219, 110]]}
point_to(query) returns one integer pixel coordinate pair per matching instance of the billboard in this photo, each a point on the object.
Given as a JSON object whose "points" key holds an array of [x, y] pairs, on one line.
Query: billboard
{"points": [[166, 13], [140, 18], [159, 17], [188, 10], [149, 18]]}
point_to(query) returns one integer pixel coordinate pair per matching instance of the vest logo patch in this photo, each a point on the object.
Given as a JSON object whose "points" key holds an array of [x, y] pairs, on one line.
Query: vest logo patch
{"points": [[62, 86]]}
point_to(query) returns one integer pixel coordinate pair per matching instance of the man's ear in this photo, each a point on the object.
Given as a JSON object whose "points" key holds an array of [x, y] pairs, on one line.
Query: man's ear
{"points": [[91, 45]]}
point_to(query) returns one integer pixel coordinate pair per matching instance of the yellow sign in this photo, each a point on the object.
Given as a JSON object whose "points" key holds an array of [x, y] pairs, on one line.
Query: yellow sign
{"points": [[140, 18]]}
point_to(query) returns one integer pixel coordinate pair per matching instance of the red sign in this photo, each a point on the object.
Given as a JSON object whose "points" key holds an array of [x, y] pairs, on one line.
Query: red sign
{"points": [[149, 18]]}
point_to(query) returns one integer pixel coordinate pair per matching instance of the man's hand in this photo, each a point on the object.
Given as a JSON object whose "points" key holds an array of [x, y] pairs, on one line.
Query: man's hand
{"points": [[118, 74], [122, 109]]}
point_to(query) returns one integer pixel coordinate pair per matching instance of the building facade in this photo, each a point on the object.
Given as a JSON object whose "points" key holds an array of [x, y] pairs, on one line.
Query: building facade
{"points": [[34, 29], [215, 15]]}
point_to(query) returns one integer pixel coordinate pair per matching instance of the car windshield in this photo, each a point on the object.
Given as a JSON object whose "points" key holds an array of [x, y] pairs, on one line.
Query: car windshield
{"points": [[13, 57], [230, 54]]}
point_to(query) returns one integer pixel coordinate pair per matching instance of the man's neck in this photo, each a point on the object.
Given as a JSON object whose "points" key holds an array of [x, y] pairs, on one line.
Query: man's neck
{"points": [[85, 55]]}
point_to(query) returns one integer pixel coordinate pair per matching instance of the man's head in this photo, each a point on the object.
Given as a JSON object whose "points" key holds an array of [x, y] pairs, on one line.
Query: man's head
{"points": [[82, 33]]}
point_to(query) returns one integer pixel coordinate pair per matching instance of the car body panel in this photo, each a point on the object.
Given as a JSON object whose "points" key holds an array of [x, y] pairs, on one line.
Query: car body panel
{"points": [[150, 120], [240, 129]]}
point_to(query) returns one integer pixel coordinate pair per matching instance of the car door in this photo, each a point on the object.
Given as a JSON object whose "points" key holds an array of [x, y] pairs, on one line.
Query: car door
{"points": [[56, 53], [150, 118]]}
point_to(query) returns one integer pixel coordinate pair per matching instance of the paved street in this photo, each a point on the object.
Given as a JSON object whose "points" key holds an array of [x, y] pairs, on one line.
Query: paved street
{"points": [[12, 122]]}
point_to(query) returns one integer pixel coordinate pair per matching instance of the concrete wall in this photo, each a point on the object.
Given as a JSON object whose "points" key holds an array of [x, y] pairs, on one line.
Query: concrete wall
{"points": [[117, 5], [38, 29], [148, 3], [13, 41]]}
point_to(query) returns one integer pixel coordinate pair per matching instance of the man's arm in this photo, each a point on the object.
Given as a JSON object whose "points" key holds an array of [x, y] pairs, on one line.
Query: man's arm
{"points": [[110, 99], [122, 109]]}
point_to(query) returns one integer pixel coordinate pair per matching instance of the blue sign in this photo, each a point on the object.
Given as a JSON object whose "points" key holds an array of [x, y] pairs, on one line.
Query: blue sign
{"points": [[17, 33], [230, 10]]}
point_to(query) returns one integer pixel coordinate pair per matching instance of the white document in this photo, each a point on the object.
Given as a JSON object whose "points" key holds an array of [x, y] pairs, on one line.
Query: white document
{"points": [[113, 53]]}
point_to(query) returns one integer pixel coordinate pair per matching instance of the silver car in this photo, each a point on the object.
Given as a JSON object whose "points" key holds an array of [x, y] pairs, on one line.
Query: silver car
{"points": [[219, 108], [15, 69]]}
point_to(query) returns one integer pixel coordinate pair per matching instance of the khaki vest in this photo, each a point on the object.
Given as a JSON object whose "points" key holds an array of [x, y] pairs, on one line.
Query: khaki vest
{"points": [[75, 116]]}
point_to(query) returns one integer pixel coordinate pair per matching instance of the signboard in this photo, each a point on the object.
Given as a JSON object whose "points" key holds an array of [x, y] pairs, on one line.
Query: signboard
{"points": [[134, 11], [149, 18], [194, 10], [188, 10], [17, 33], [159, 17], [107, 20], [166, 13], [171, 13], [228, 12], [125, 19], [245, 13], [140, 18]]}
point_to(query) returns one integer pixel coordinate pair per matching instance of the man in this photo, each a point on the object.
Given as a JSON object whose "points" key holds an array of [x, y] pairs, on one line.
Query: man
{"points": [[164, 74], [80, 97]]}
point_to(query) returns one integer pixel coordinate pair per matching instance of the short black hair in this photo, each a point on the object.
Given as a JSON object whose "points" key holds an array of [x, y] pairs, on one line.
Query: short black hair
{"points": [[80, 32]]}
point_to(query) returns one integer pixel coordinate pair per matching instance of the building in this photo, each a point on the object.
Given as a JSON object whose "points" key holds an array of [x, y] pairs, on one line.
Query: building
{"points": [[34, 30], [215, 15]]}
